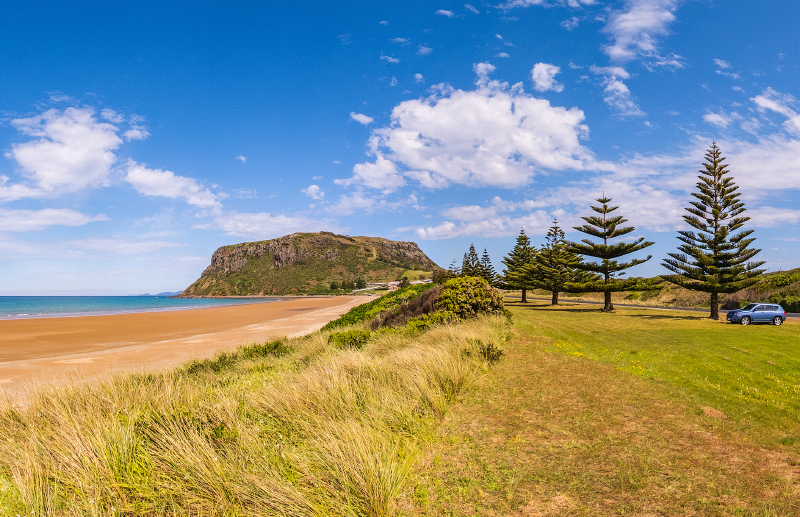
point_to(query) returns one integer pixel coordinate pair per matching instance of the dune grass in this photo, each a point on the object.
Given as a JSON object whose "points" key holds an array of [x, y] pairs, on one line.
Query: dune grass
{"points": [[294, 427]]}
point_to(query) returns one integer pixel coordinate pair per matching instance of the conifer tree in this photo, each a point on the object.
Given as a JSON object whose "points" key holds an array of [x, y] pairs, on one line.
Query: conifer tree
{"points": [[607, 227], [454, 269], [471, 266], [520, 256], [554, 265], [714, 260], [487, 269]]}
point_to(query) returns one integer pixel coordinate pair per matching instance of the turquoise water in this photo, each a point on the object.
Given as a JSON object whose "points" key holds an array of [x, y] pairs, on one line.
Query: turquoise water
{"points": [[16, 307]]}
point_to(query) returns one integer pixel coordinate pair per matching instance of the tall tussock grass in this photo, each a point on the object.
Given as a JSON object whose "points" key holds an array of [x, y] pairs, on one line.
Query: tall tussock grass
{"points": [[299, 428]]}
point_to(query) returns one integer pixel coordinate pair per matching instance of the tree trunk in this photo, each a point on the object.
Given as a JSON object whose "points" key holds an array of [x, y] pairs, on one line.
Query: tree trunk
{"points": [[554, 301], [524, 297], [714, 306], [608, 307]]}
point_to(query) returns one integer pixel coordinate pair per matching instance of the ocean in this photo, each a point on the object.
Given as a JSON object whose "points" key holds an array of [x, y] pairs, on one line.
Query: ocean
{"points": [[18, 307]]}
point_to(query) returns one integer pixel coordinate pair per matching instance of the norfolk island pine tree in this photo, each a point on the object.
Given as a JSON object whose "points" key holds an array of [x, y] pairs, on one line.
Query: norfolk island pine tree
{"points": [[471, 266], [554, 266], [487, 269], [605, 228], [714, 260], [513, 276]]}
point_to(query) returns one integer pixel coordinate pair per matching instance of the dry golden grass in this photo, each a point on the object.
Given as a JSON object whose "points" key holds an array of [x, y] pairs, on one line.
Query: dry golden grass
{"points": [[312, 433]]}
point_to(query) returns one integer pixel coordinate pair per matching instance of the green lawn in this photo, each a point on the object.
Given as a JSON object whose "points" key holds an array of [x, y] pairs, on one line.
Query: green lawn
{"points": [[603, 414], [752, 374]]}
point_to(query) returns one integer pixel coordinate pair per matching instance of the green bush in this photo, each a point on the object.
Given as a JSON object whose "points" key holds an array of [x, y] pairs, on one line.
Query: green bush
{"points": [[349, 339], [427, 321], [791, 304], [369, 310], [779, 280], [468, 296]]}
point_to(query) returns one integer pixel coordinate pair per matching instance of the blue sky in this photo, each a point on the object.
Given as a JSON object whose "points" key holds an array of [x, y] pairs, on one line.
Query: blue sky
{"points": [[136, 139]]}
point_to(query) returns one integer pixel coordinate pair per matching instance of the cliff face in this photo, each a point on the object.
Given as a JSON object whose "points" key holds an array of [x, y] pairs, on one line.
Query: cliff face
{"points": [[305, 263]]}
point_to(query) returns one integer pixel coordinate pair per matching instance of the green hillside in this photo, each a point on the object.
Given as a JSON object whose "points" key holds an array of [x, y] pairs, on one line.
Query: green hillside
{"points": [[306, 263]]}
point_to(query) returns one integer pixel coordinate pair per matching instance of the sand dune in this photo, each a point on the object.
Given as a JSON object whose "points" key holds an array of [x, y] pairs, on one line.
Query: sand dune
{"points": [[46, 350]]}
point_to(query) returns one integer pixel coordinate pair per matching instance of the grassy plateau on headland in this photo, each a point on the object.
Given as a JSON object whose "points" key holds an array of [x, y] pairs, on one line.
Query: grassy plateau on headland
{"points": [[639, 412]]}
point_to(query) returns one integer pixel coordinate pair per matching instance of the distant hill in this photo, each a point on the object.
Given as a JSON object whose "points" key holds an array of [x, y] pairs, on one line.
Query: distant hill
{"points": [[306, 263], [162, 295]]}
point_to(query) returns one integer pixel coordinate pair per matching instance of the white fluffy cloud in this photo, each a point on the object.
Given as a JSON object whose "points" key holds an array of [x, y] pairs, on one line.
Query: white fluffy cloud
{"points": [[495, 135], [156, 182], [71, 151], [543, 76], [380, 174], [314, 192], [361, 118], [772, 100], [32, 220], [720, 119], [444, 12], [615, 92], [262, 225], [636, 29], [496, 220]]}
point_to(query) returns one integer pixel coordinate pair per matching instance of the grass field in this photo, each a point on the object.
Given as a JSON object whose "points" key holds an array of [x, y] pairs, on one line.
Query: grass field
{"points": [[639, 412]]}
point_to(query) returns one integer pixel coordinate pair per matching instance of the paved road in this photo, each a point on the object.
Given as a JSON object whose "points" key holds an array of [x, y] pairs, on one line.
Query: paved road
{"points": [[721, 311]]}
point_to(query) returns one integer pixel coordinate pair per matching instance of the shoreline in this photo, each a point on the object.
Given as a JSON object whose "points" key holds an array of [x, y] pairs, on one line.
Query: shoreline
{"points": [[36, 351], [116, 312]]}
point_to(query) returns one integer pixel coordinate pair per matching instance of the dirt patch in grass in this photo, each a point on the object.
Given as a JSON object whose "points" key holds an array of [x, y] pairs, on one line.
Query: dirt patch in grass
{"points": [[551, 434]]}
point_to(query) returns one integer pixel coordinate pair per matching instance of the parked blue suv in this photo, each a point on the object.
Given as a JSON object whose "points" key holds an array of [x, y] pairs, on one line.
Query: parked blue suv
{"points": [[758, 313]]}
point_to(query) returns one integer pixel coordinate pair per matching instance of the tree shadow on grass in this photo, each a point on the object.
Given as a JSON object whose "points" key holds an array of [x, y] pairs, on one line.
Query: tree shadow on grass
{"points": [[668, 317], [595, 309], [560, 307]]}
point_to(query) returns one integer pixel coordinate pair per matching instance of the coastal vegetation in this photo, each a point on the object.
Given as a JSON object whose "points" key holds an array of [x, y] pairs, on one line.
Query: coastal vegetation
{"points": [[327, 424], [558, 410]]}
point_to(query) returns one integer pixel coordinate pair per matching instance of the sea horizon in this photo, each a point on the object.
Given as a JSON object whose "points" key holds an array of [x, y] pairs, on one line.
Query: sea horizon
{"points": [[67, 306]]}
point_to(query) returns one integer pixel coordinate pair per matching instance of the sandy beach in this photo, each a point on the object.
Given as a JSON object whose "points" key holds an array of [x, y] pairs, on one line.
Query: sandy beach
{"points": [[46, 350]]}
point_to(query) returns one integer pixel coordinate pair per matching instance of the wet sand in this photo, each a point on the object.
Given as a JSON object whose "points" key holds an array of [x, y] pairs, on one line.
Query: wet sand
{"points": [[46, 350]]}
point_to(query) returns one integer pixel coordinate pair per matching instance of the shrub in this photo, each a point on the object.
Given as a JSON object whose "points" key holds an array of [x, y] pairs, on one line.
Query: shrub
{"points": [[413, 308], [791, 304], [427, 321], [349, 339], [731, 303], [468, 296], [371, 309]]}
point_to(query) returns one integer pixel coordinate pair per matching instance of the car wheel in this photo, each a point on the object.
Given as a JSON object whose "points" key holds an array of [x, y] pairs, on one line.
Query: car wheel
{"points": [[745, 320], [777, 320]]}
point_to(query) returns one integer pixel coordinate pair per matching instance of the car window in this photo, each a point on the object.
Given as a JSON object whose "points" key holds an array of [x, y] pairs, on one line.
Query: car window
{"points": [[749, 307], [758, 308]]}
